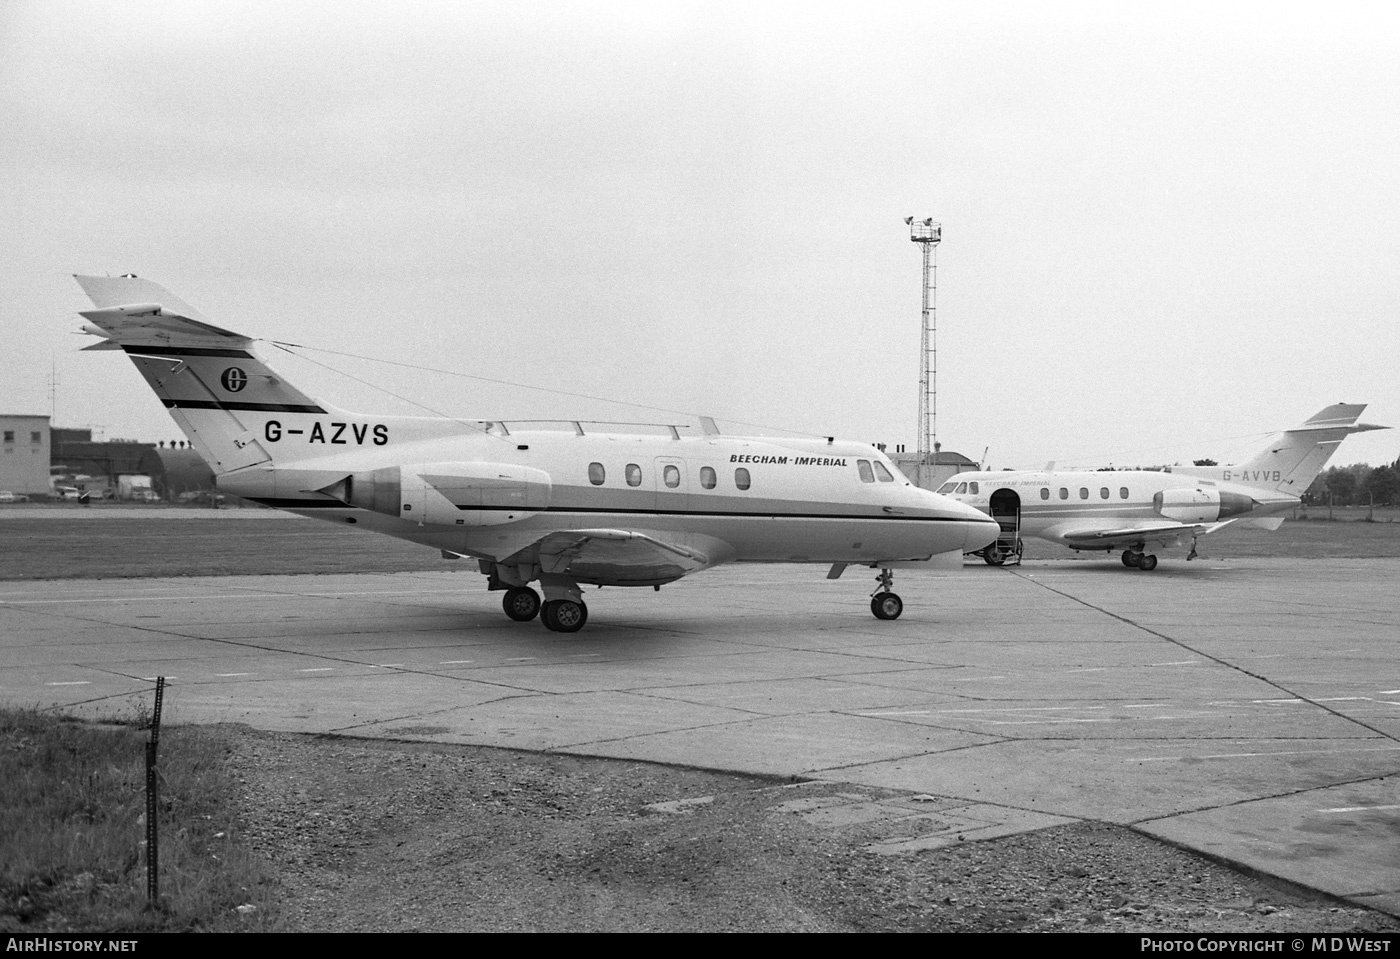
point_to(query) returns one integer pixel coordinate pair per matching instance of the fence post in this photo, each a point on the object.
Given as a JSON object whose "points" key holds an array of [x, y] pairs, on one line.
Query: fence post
{"points": [[152, 797]]}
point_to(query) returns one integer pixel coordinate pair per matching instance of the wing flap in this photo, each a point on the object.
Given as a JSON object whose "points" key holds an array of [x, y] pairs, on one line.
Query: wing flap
{"points": [[1126, 536]]}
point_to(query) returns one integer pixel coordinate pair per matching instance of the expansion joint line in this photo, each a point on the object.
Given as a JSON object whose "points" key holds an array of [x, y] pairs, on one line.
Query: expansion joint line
{"points": [[1204, 655]]}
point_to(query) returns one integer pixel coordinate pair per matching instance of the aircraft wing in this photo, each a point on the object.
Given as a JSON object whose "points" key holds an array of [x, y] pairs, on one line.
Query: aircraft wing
{"points": [[614, 557], [1131, 536]]}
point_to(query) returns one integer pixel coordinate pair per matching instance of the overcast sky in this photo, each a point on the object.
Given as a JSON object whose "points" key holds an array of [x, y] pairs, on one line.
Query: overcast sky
{"points": [[1167, 231]]}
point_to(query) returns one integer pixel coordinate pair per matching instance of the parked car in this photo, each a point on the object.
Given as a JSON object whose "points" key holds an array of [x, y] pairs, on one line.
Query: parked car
{"points": [[8, 497]]}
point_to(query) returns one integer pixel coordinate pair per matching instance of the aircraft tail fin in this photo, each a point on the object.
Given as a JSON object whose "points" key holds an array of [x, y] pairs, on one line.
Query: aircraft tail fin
{"points": [[224, 397], [1295, 457]]}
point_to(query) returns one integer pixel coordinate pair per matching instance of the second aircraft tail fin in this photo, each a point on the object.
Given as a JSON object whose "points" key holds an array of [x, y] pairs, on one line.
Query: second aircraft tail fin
{"points": [[1295, 457]]}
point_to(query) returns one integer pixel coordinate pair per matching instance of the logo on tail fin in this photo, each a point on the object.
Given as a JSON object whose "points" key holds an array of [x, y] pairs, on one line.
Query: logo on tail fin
{"points": [[234, 379]]}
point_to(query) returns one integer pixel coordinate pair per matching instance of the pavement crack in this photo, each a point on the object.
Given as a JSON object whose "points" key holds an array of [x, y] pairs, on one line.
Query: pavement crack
{"points": [[1205, 655]]}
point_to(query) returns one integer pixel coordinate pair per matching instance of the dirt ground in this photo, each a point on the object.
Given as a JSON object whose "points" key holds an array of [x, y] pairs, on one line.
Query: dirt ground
{"points": [[380, 836]]}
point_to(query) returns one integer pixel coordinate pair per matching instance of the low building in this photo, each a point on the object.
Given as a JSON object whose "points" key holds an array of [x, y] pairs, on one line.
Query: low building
{"points": [[24, 454], [179, 474], [99, 464], [936, 467]]}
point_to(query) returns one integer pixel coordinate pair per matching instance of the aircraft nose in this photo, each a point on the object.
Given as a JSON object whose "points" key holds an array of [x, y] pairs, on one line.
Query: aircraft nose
{"points": [[980, 528]]}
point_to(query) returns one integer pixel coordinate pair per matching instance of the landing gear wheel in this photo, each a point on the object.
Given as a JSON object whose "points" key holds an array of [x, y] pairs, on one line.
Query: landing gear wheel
{"points": [[1130, 559], [886, 606], [521, 603], [993, 556], [563, 615], [1147, 563]]}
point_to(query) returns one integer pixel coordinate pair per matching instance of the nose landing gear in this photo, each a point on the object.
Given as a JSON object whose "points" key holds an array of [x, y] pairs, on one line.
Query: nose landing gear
{"points": [[884, 603]]}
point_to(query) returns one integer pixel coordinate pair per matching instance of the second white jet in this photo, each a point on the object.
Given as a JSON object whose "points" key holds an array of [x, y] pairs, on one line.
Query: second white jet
{"points": [[1133, 510]]}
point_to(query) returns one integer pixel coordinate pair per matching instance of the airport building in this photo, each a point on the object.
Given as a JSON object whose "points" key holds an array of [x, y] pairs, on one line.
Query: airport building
{"points": [[125, 467], [37, 458], [937, 467], [24, 454]]}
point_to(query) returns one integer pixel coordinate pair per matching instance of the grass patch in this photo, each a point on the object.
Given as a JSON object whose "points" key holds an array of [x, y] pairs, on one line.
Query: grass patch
{"points": [[172, 546], [72, 831]]}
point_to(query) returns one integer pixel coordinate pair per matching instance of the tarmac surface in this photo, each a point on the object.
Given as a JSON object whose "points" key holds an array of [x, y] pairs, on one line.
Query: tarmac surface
{"points": [[1248, 709]]}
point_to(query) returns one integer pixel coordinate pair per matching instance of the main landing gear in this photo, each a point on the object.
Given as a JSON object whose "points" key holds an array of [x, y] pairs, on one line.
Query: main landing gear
{"points": [[564, 615], [883, 603], [522, 604], [1134, 559]]}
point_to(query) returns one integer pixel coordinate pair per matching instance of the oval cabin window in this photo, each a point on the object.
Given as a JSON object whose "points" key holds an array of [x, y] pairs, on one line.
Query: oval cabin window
{"points": [[741, 478], [596, 474], [707, 477], [672, 476], [634, 474]]}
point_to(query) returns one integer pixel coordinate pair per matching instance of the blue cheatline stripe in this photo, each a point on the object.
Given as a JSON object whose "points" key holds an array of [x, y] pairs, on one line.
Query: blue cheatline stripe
{"points": [[287, 503], [187, 351], [235, 405]]}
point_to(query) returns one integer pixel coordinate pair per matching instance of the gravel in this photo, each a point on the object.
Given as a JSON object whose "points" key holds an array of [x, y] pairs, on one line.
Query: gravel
{"points": [[368, 835]]}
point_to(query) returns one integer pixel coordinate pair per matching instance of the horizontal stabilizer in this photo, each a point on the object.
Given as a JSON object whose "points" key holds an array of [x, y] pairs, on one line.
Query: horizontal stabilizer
{"points": [[135, 312]]}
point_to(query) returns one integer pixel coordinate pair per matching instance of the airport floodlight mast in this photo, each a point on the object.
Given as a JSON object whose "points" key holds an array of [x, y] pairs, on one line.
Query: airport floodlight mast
{"points": [[927, 234]]}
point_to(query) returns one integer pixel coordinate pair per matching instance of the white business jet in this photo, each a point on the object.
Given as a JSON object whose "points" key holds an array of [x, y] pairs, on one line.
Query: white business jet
{"points": [[1132, 509], [557, 507]]}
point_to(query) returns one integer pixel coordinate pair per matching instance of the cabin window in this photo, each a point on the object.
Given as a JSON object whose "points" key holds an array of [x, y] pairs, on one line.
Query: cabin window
{"points": [[867, 475], [962, 488], [1045, 492], [947, 487], [882, 474], [1123, 492], [1083, 492], [671, 475], [1064, 493], [707, 477], [596, 474], [634, 475], [972, 488], [1103, 493], [741, 478]]}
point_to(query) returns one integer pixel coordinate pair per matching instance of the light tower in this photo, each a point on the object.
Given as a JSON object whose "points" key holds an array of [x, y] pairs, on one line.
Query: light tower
{"points": [[927, 234]]}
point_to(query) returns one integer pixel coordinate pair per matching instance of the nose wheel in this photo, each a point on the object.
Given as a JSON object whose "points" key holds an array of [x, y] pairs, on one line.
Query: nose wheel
{"points": [[886, 606], [884, 603]]}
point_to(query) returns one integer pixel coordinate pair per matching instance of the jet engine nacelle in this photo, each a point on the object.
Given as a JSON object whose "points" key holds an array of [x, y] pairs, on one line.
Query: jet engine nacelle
{"points": [[448, 494], [1201, 505]]}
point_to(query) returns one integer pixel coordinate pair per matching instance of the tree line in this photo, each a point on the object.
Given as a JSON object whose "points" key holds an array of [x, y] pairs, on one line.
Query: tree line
{"points": [[1357, 485]]}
